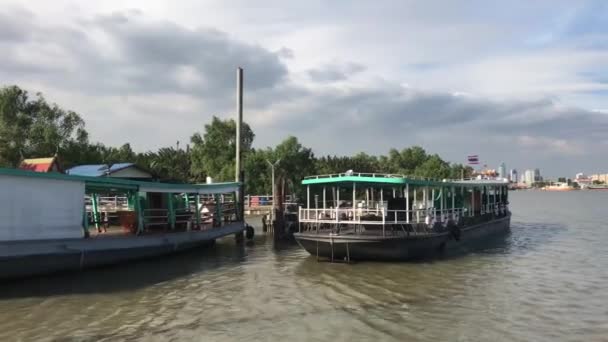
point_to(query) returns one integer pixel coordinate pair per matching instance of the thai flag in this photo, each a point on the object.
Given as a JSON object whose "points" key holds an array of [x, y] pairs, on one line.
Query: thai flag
{"points": [[473, 159]]}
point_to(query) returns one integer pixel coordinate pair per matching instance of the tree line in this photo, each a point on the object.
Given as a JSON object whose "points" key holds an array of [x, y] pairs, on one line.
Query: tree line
{"points": [[31, 127]]}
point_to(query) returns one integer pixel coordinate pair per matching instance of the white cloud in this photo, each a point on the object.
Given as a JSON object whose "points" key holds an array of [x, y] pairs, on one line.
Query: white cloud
{"points": [[455, 77]]}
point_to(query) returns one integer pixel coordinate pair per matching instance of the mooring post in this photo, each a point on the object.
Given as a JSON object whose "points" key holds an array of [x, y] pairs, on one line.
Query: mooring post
{"points": [[238, 174]]}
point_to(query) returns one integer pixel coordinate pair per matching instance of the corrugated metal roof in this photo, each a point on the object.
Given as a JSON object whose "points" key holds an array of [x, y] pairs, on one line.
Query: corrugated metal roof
{"points": [[390, 180], [101, 183], [97, 170]]}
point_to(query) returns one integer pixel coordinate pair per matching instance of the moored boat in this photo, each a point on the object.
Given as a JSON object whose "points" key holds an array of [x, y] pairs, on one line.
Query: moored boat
{"points": [[597, 187], [559, 186], [393, 217], [45, 220]]}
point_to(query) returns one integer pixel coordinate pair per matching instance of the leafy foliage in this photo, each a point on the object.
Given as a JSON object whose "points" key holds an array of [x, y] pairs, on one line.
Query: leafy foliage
{"points": [[213, 153], [33, 128]]}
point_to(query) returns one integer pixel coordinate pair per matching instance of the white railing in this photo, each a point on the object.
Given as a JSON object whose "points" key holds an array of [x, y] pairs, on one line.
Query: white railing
{"points": [[252, 201], [108, 203], [494, 208], [394, 175], [380, 216]]}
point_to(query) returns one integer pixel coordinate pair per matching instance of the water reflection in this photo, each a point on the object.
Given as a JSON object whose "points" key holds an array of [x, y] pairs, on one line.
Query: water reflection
{"points": [[543, 282], [129, 276]]}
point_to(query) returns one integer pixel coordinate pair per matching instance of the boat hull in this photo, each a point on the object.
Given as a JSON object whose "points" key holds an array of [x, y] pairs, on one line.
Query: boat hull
{"points": [[401, 248], [29, 258]]}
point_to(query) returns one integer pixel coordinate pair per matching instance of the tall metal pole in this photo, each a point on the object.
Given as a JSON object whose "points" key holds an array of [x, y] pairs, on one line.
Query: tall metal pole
{"points": [[274, 198], [239, 121]]}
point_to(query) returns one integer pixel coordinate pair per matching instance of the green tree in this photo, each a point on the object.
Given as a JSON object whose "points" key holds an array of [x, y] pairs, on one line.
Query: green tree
{"points": [[168, 164], [31, 127], [458, 171], [296, 162], [257, 171], [213, 154], [433, 167], [405, 161]]}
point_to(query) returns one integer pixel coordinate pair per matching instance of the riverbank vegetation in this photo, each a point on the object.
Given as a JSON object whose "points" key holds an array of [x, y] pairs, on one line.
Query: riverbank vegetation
{"points": [[31, 127]]}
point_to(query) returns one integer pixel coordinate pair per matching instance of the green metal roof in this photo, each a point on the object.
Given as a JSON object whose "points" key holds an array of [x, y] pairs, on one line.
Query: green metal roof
{"points": [[389, 180], [109, 183]]}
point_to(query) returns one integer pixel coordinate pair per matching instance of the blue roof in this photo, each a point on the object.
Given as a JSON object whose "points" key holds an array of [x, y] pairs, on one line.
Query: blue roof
{"points": [[97, 170]]}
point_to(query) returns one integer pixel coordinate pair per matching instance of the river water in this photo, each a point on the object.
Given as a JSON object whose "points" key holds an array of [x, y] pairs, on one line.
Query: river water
{"points": [[546, 281]]}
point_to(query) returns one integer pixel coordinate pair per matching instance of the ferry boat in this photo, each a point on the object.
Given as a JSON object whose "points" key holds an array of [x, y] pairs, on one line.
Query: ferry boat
{"points": [[363, 216], [46, 225], [597, 187]]}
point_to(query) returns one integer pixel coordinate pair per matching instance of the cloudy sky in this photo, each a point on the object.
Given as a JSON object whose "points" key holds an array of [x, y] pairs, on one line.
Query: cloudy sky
{"points": [[525, 82]]}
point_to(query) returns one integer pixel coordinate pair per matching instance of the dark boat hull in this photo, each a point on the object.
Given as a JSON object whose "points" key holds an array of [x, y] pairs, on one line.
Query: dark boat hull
{"points": [[29, 258], [400, 248]]}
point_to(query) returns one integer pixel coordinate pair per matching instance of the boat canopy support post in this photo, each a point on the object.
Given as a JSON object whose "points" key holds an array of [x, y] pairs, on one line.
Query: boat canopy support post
{"points": [[323, 202], [337, 204], [138, 212], [354, 201], [407, 203], [94, 212], [198, 211], [186, 200], [453, 193], [333, 196], [171, 210], [85, 220], [219, 209], [433, 204], [472, 202], [307, 200], [487, 199], [425, 196], [442, 203], [414, 206]]}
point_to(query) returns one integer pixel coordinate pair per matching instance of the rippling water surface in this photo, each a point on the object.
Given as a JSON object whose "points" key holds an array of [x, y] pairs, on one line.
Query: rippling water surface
{"points": [[546, 281]]}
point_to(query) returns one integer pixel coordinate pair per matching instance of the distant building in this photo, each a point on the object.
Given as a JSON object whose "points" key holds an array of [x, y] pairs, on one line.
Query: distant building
{"points": [[502, 170], [42, 165], [529, 177], [119, 170], [602, 178], [582, 180], [513, 175], [537, 176]]}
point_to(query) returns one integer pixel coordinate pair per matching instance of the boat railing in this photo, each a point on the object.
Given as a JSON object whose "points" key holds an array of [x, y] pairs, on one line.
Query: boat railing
{"points": [[108, 203], [395, 175], [382, 216], [368, 174], [253, 201], [494, 208]]}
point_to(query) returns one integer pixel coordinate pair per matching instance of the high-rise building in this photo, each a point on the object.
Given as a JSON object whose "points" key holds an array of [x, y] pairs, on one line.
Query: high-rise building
{"points": [[529, 177], [537, 176], [502, 170], [513, 175]]}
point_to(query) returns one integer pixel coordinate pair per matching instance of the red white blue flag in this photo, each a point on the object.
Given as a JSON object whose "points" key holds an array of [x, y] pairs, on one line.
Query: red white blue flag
{"points": [[473, 159]]}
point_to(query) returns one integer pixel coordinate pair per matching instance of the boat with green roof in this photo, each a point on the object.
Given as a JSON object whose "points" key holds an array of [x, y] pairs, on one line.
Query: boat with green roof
{"points": [[366, 216], [47, 226]]}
